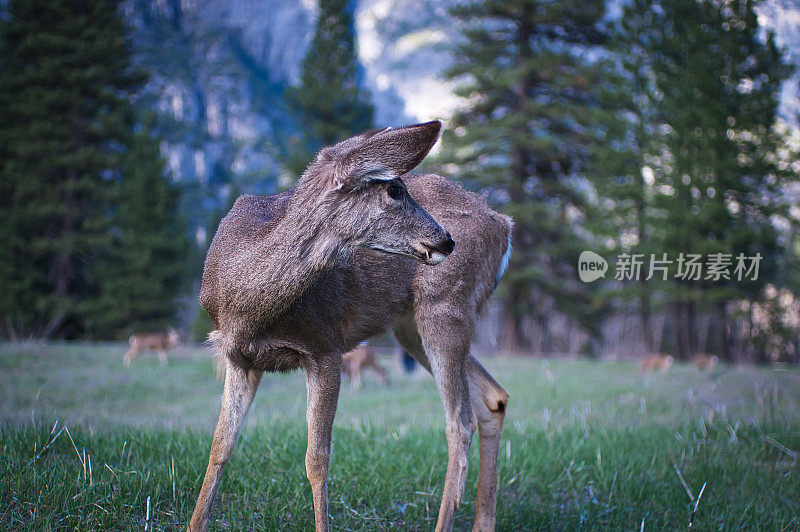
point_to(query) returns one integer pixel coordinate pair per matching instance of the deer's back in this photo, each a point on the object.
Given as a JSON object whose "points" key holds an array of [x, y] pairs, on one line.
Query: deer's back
{"points": [[249, 216], [149, 341], [364, 293]]}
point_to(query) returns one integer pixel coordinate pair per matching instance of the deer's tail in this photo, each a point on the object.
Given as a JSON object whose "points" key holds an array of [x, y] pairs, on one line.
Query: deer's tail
{"points": [[507, 254]]}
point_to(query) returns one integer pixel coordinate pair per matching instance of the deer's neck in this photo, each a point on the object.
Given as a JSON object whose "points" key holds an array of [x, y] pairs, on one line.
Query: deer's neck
{"points": [[284, 262]]}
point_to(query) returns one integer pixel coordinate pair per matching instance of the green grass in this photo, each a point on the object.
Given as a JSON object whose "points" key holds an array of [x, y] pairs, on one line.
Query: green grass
{"points": [[587, 445]]}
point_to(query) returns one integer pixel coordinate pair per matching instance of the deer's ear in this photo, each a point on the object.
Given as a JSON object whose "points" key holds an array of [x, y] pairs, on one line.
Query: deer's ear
{"points": [[390, 153]]}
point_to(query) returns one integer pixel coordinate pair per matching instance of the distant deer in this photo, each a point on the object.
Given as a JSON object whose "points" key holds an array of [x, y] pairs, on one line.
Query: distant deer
{"points": [[358, 360], [158, 342], [705, 361], [296, 279], [651, 363]]}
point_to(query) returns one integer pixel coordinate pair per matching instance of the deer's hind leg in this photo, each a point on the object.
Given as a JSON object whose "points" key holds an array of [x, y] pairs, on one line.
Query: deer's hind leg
{"points": [[379, 371], [240, 388], [355, 374], [489, 401]]}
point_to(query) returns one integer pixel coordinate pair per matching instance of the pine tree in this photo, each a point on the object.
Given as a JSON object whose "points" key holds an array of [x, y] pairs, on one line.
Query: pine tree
{"points": [[718, 182], [524, 136], [330, 103], [141, 274], [64, 119], [709, 146], [699, 171], [617, 166]]}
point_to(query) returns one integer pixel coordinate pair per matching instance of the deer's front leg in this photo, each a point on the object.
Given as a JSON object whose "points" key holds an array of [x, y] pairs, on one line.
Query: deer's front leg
{"points": [[129, 357], [240, 388], [323, 378], [355, 374], [448, 366]]}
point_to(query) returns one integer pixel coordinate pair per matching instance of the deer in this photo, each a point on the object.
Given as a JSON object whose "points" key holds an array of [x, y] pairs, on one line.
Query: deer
{"points": [[651, 363], [359, 246], [358, 360], [158, 342], [705, 361]]}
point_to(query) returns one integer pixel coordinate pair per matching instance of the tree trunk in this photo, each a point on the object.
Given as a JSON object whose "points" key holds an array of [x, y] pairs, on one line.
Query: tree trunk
{"points": [[644, 300], [691, 326], [681, 334], [644, 318], [63, 269], [726, 353], [513, 339]]}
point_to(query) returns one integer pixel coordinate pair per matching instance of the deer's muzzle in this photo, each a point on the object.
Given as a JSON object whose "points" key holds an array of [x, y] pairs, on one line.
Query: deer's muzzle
{"points": [[435, 253]]}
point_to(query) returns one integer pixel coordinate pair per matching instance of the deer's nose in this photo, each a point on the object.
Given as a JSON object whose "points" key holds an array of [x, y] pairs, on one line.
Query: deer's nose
{"points": [[447, 245]]}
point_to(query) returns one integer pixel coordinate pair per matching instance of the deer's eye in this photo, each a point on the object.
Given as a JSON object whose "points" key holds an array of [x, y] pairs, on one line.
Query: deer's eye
{"points": [[395, 192]]}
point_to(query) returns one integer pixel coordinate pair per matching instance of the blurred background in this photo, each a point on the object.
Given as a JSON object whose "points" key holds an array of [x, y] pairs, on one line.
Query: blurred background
{"points": [[127, 129]]}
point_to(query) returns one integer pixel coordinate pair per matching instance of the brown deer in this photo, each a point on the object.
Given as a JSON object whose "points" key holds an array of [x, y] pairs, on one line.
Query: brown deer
{"points": [[296, 279], [357, 361], [158, 342], [705, 361], [651, 363]]}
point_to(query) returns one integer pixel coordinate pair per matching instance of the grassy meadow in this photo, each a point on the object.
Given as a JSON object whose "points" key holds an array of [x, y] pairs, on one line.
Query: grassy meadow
{"points": [[88, 444]]}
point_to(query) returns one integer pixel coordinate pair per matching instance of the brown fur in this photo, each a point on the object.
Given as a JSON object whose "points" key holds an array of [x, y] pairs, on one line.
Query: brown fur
{"points": [[297, 279], [652, 363], [705, 361], [357, 361], [158, 342]]}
